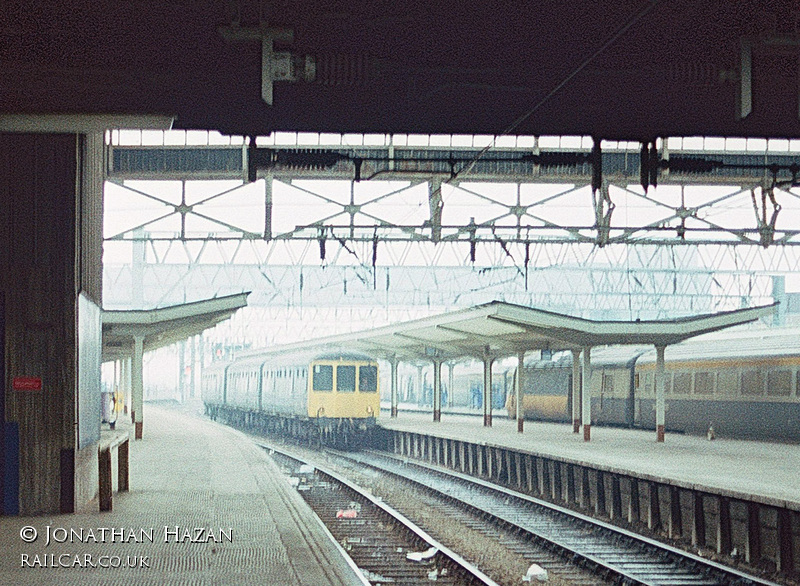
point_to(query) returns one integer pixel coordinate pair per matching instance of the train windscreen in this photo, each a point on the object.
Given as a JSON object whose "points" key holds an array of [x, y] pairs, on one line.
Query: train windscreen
{"points": [[323, 377], [346, 379], [368, 379]]}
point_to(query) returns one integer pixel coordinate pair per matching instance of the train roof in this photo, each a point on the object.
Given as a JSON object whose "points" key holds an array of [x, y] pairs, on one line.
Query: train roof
{"points": [[754, 342], [290, 359]]}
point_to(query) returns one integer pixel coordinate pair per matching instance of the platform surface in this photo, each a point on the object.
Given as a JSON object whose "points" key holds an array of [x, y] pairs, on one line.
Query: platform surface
{"points": [[762, 471], [186, 475]]}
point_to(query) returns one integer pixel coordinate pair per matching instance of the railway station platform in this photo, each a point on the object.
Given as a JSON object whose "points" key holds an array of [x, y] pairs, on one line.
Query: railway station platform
{"points": [[750, 469], [205, 506], [737, 501]]}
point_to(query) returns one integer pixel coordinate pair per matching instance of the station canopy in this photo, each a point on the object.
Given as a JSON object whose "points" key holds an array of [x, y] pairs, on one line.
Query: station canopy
{"points": [[166, 325], [499, 329]]}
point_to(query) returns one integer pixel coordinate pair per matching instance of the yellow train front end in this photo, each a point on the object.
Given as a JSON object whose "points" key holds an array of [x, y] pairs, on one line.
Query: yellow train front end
{"points": [[343, 387]]}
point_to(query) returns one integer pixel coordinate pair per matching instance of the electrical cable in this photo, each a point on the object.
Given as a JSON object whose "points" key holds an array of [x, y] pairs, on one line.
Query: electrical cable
{"points": [[516, 123]]}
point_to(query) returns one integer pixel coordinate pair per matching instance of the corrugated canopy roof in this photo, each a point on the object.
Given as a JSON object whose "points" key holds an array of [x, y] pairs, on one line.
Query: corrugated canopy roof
{"points": [[502, 329]]}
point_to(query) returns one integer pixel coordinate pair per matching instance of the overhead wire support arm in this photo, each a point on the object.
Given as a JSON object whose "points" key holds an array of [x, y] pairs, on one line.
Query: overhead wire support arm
{"points": [[766, 229]]}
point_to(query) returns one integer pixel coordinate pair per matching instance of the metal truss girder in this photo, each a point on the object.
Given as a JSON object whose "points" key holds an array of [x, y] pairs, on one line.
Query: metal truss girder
{"points": [[227, 162], [654, 285], [503, 213]]}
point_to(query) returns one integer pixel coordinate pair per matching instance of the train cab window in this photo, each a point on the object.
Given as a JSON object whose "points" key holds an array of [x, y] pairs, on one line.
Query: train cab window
{"points": [[752, 382], [367, 379], [704, 383], [323, 377], [346, 379], [779, 383]]}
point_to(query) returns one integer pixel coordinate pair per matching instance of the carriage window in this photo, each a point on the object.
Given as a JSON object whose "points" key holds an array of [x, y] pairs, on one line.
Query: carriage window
{"points": [[323, 377], [682, 382], [346, 379], [367, 379], [607, 384], [727, 382], [752, 382], [704, 383], [779, 383]]}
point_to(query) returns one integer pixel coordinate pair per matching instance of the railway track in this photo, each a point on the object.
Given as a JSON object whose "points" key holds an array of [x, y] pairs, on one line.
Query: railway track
{"points": [[386, 547], [502, 554], [617, 555]]}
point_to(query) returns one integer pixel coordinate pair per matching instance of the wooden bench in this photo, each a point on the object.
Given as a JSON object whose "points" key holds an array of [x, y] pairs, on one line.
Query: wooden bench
{"points": [[116, 442]]}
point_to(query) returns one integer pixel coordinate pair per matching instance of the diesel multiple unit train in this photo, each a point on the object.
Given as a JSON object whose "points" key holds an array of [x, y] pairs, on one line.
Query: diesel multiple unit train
{"points": [[744, 384], [333, 399]]}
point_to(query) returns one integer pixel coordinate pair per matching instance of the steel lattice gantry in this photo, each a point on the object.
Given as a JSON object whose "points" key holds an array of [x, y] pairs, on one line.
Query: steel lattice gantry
{"points": [[520, 222], [528, 194]]}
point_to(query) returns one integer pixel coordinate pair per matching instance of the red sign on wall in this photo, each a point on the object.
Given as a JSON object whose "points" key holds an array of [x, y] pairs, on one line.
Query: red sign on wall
{"points": [[27, 383]]}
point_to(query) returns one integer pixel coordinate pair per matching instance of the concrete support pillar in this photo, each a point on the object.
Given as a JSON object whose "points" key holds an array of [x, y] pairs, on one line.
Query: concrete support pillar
{"points": [[600, 494], [653, 507], [393, 386], [660, 384], [586, 408], [126, 384], [193, 365], [51, 238], [450, 384], [137, 384], [576, 391], [616, 497], [116, 384], [633, 502], [753, 552], [437, 390], [698, 520], [181, 371], [200, 358], [419, 394], [724, 536], [785, 558], [675, 525], [518, 392], [487, 390]]}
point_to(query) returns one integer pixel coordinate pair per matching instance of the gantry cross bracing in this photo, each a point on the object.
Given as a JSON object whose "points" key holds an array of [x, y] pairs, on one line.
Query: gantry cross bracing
{"points": [[410, 241], [528, 191]]}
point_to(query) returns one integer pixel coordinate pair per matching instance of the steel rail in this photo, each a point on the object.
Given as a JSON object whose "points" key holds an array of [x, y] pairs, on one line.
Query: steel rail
{"points": [[628, 557], [458, 567]]}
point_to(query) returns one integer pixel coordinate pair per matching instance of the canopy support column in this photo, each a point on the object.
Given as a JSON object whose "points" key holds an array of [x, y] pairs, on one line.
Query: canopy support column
{"points": [[576, 391], [137, 385], [660, 384], [419, 395], [450, 383], [437, 390], [487, 389], [586, 410], [393, 388], [518, 391]]}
